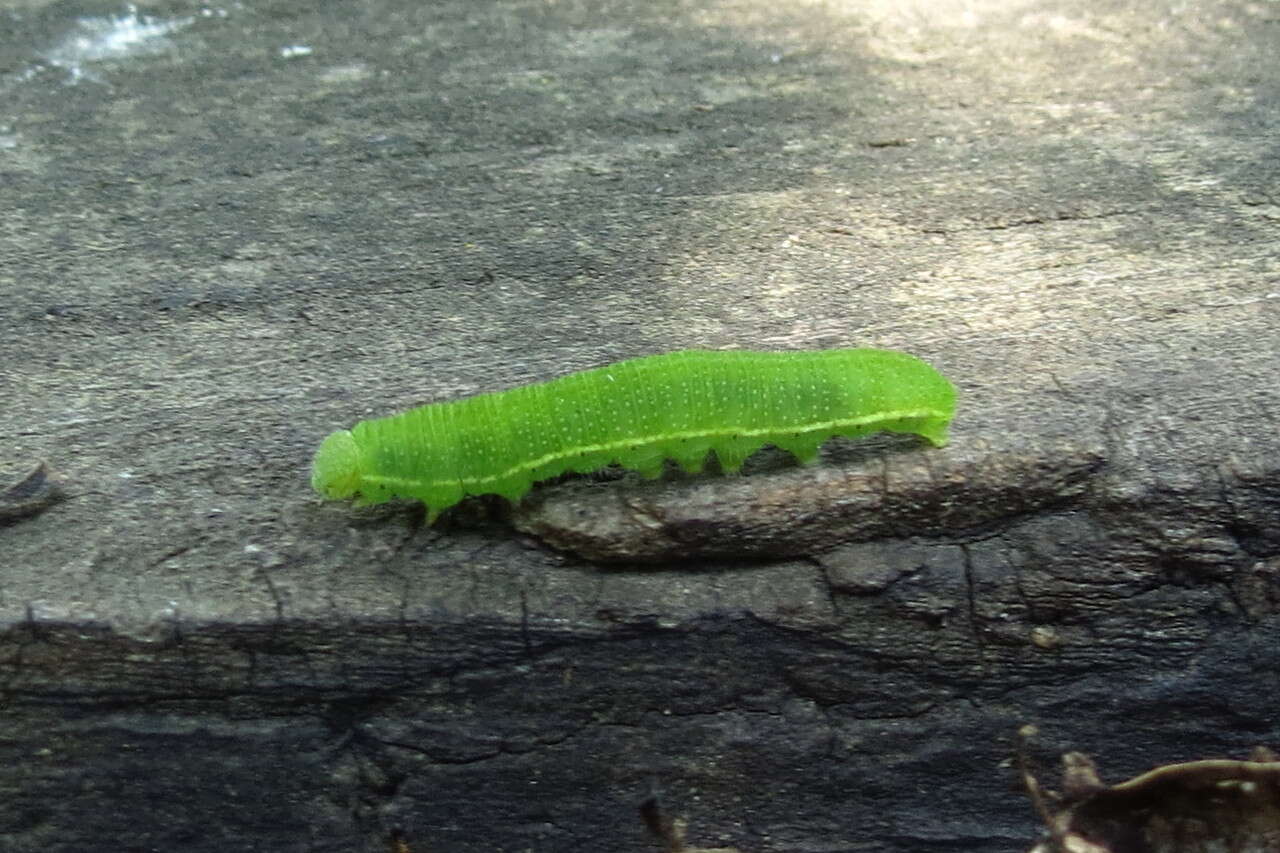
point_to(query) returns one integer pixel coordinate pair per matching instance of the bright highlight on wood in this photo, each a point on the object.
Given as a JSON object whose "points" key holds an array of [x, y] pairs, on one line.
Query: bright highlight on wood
{"points": [[635, 413]]}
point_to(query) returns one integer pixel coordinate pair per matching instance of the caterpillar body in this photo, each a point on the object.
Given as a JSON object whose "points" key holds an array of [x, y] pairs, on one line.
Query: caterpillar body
{"points": [[636, 413]]}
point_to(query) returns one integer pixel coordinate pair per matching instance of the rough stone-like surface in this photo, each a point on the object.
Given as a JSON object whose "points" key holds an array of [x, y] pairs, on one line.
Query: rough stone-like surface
{"points": [[228, 231]]}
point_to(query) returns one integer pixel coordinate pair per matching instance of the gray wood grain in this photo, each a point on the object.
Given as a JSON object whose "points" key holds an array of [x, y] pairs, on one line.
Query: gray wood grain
{"points": [[218, 249]]}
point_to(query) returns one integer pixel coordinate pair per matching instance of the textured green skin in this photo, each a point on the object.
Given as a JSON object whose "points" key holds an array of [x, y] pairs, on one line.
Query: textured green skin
{"points": [[635, 413]]}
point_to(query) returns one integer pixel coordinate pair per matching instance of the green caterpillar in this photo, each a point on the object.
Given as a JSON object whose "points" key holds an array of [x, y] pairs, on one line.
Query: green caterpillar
{"points": [[635, 413]]}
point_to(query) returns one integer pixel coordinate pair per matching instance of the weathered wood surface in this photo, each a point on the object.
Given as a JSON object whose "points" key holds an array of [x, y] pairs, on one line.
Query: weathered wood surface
{"points": [[215, 251]]}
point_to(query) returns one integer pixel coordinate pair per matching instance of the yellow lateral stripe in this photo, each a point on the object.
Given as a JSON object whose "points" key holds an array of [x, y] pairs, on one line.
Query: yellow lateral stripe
{"points": [[825, 426]]}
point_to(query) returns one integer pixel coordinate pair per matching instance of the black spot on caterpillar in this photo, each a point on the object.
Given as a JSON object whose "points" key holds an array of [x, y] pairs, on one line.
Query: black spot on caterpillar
{"points": [[635, 413]]}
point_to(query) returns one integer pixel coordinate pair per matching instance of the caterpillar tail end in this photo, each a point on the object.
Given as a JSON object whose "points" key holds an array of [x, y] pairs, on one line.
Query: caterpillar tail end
{"points": [[335, 471], [937, 436]]}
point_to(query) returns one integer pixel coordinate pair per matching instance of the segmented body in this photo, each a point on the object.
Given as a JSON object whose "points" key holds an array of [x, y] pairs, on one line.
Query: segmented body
{"points": [[635, 413]]}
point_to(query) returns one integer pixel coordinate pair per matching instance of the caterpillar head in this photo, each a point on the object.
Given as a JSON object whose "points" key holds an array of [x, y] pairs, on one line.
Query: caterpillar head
{"points": [[335, 472]]}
